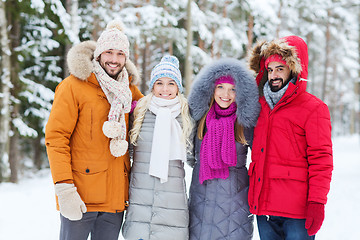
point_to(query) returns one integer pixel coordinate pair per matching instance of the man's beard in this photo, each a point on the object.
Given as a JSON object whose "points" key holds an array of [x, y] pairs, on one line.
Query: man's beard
{"points": [[114, 75], [277, 88], [111, 74]]}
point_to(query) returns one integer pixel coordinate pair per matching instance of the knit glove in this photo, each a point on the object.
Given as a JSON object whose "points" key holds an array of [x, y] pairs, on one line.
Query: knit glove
{"points": [[314, 217], [70, 203]]}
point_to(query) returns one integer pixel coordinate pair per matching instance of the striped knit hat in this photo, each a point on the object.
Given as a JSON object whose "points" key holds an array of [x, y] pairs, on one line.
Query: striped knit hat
{"points": [[168, 67]]}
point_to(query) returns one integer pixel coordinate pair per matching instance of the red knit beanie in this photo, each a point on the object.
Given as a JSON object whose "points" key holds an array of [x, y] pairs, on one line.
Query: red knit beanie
{"points": [[275, 58]]}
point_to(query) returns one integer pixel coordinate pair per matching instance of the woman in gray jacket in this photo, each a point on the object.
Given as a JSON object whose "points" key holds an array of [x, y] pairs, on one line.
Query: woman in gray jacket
{"points": [[224, 102], [158, 207]]}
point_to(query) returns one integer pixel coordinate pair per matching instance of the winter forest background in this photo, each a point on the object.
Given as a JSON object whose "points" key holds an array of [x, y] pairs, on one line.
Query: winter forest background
{"points": [[36, 35]]}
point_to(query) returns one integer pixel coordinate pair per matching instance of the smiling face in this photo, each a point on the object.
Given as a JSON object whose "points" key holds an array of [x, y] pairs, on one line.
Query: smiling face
{"points": [[279, 75], [165, 88], [112, 61], [224, 94]]}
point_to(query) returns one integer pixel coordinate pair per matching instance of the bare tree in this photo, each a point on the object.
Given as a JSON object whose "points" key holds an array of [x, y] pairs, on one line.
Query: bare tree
{"points": [[327, 54], [279, 17], [358, 81], [213, 30], [5, 88], [72, 8], [355, 115], [250, 32], [14, 153], [143, 86], [188, 60], [96, 27]]}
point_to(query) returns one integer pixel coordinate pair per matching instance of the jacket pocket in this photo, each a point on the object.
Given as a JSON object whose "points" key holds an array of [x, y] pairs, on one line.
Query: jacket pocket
{"points": [[288, 172], [288, 189], [296, 137], [90, 178]]}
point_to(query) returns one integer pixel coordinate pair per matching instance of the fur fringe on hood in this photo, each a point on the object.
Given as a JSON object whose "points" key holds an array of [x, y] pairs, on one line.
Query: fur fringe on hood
{"points": [[247, 97], [79, 61], [294, 51], [265, 49]]}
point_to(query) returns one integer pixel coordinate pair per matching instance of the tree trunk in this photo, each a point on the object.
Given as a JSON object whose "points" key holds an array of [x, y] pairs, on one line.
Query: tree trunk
{"points": [[5, 63], [143, 86], [38, 160], [358, 82], [250, 32], [96, 22], [15, 91], [171, 48], [136, 54], [327, 55], [14, 156], [279, 16], [188, 59], [213, 30], [72, 7], [310, 84], [357, 85], [201, 42], [221, 41], [136, 44]]}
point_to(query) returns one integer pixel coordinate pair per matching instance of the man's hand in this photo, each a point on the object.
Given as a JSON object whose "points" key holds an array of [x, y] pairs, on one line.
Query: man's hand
{"points": [[70, 203], [314, 217]]}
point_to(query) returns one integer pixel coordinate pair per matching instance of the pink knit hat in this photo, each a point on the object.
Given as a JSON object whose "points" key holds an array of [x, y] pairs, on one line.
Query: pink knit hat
{"points": [[225, 79], [275, 58], [112, 37]]}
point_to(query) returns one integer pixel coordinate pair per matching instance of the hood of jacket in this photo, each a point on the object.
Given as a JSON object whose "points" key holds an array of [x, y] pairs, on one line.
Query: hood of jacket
{"points": [[294, 51], [79, 61], [247, 96]]}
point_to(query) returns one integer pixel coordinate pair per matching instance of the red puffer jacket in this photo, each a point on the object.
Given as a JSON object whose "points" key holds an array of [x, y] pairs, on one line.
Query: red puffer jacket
{"points": [[292, 150]]}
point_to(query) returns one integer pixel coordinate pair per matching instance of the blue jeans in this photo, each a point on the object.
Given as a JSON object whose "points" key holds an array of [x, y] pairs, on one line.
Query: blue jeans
{"points": [[282, 228], [101, 225]]}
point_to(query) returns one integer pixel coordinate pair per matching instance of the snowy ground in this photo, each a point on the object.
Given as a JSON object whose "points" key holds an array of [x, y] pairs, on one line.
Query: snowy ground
{"points": [[27, 209]]}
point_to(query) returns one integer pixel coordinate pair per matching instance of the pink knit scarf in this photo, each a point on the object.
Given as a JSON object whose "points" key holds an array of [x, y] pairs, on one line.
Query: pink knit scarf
{"points": [[218, 148]]}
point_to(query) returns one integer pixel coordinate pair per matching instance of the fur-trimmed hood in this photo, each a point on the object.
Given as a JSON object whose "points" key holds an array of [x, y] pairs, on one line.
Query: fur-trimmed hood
{"points": [[293, 49], [79, 61], [202, 90]]}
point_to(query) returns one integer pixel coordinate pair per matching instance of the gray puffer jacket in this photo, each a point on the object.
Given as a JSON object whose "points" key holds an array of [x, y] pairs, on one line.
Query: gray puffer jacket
{"points": [[219, 208], [157, 211]]}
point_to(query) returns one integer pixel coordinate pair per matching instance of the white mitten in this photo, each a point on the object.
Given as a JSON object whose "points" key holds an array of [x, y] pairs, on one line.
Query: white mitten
{"points": [[70, 203]]}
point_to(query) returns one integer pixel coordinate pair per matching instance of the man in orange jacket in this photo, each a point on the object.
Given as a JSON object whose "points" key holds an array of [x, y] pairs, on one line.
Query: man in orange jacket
{"points": [[86, 136]]}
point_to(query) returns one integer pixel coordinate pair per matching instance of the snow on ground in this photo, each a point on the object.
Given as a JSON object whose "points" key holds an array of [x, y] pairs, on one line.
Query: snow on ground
{"points": [[27, 209]]}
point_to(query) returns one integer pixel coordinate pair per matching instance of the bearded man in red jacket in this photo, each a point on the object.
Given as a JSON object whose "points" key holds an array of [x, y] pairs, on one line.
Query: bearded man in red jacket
{"points": [[292, 159]]}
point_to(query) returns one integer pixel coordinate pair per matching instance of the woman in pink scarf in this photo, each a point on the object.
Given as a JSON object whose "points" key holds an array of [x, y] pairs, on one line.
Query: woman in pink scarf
{"points": [[224, 102]]}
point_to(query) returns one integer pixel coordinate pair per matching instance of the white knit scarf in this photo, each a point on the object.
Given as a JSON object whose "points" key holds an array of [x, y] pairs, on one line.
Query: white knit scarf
{"points": [[167, 141], [119, 96]]}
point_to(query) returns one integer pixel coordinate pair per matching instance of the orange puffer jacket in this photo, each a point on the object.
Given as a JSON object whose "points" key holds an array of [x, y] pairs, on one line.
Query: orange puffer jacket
{"points": [[76, 146]]}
